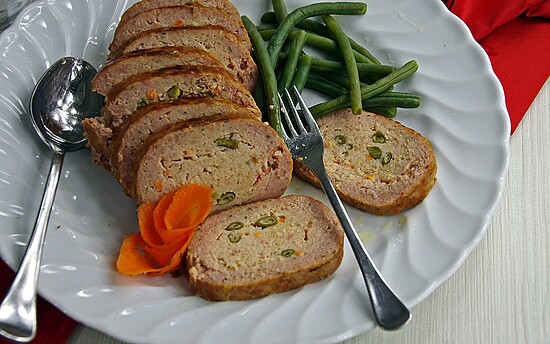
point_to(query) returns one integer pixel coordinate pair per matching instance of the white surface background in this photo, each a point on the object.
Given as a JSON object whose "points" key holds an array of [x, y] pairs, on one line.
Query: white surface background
{"points": [[502, 292]]}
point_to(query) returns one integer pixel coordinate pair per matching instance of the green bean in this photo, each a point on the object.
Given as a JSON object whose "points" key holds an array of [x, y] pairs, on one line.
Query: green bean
{"points": [[279, 10], [294, 72], [320, 29], [316, 41], [294, 53], [367, 91], [363, 51], [338, 78], [266, 27], [366, 68], [259, 95], [324, 65], [393, 99], [301, 13], [364, 76], [302, 72], [389, 112], [320, 84], [384, 99], [268, 75], [343, 80], [349, 60]]}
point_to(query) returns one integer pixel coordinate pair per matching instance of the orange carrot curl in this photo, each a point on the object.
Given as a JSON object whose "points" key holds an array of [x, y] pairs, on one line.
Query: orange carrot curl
{"points": [[166, 229]]}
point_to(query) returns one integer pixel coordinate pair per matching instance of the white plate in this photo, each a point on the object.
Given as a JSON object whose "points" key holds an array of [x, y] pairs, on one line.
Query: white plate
{"points": [[463, 114]]}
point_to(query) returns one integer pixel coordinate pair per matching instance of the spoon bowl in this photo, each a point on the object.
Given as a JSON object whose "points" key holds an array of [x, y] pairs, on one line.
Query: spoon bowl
{"points": [[61, 99]]}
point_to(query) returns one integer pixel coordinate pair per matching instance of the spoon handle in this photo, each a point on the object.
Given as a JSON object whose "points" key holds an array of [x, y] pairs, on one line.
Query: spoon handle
{"points": [[18, 309]]}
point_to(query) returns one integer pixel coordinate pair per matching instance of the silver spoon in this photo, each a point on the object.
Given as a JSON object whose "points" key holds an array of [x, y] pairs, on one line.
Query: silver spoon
{"points": [[60, 101]]}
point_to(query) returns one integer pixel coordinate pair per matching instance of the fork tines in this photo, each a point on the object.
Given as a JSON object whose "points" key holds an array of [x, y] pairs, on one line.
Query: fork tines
{"points": [[296, 121]]}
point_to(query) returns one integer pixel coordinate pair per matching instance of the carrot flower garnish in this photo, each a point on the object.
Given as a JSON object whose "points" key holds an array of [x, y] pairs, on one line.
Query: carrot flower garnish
{"points": [[166, 229]]}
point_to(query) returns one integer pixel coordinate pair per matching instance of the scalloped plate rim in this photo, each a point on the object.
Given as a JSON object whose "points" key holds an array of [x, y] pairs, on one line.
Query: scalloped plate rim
{"points": [[436, 282]]}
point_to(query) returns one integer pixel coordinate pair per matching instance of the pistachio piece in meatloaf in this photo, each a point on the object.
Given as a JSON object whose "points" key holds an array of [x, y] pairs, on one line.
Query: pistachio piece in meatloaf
{"points": [[177, 16], [216, 40], [146, 5], [149, 60], [263, 248], [241, 158], [128, 138], [375, 163]]}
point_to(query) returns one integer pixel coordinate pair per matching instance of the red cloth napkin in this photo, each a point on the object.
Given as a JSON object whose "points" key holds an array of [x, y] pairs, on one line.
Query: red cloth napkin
{"points": [[54, 327], [516, 36]]}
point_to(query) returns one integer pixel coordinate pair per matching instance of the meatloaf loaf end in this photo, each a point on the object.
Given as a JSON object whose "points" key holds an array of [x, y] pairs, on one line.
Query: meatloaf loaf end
{"points": [[99, 137], [148, 60], [376, 164], [264, 248], [146, 5], [128, 138], [241, 158], [178, 16], [217, 41]]}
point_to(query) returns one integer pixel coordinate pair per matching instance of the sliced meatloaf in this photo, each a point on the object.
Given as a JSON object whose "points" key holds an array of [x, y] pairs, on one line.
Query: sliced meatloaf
{"points": [[146, 5], [241, 158], [161, 85], [217, 41], [170, 83], [142, 61], [375, 163], [146, 121], [178, 16], [263, 248]]}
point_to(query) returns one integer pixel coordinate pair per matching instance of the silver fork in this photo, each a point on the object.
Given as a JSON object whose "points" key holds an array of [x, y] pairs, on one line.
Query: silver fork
{"points": [[306, 147]]}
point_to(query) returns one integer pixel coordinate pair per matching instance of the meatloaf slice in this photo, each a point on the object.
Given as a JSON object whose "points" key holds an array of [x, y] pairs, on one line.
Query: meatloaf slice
{"points": [[169, 83], [164, 84], [241, 158], [215, 40], [146, 121], [146, 5], [178, 16], [149, 60], [263, 248], [375, 163]]}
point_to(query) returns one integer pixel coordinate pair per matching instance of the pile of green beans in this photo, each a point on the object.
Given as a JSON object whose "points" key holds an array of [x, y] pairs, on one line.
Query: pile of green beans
{"points": [[352, 77]]}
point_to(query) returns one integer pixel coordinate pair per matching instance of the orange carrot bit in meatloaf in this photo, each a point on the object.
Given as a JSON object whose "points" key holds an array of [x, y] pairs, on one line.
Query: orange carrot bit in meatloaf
{"points": [[166, 229], [158, 185], [153, 94]]}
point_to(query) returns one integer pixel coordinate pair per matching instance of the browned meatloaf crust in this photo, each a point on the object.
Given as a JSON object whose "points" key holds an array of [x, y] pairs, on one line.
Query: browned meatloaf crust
{"points": [[177, 16], [303, 246], [142, 89], [375, 163], [215, 40], [146, 5], [241, 158], [143, 61], [146, 121]]}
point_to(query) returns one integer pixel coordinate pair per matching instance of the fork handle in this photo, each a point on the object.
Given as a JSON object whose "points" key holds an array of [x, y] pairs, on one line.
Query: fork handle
{"points": [[389, 311]]}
